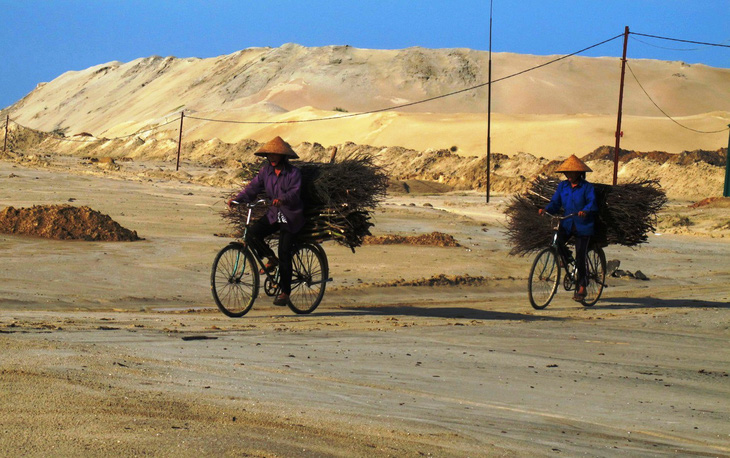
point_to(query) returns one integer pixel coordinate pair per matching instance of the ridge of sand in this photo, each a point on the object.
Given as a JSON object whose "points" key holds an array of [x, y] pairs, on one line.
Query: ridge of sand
{"points": [[565, 108]]}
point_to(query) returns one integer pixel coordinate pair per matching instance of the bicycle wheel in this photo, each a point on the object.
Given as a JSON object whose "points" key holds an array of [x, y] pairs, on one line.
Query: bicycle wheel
{"points": [[596, 272], [234, 280], [544, 278], [309, 278]]}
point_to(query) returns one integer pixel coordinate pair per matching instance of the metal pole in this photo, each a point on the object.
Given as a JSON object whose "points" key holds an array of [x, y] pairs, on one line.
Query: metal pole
{"points": [[620, 104], [489, 106], [7, 122], [726, 192], [179, 141]]}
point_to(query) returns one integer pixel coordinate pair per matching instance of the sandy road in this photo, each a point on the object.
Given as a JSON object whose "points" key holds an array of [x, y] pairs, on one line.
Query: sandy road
{"points": [[98, 358]]}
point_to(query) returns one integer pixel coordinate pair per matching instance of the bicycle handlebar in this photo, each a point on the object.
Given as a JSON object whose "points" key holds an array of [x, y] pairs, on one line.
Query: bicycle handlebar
{"points": [[251, 204], [560, 217]]}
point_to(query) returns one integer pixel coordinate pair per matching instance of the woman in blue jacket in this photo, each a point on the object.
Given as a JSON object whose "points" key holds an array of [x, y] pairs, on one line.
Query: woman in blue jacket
{"points": [[575, 196]]}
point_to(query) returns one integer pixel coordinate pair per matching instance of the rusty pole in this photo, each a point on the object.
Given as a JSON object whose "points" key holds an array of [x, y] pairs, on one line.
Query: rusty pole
{"points": [[489, 106], [179, 140], [5, 142], [620, 105], [726, 191]]}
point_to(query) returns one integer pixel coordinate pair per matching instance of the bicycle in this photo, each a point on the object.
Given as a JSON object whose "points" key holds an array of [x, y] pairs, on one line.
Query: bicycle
{"points": [[236, 275], [546, 270]]}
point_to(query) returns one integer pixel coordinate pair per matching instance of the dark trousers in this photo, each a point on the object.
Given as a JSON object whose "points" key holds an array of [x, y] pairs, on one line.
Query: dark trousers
{"points": [[255, 238], [581, 252]]}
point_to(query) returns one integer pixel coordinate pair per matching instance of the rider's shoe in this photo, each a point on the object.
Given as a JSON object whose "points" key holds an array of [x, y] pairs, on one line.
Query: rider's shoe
{"points": [[270, 265], [282, 300], [580, 294]]}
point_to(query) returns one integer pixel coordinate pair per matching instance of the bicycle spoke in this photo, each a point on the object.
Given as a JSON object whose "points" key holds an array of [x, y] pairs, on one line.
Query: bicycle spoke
{"points": [[544, 279], [234, 282]]}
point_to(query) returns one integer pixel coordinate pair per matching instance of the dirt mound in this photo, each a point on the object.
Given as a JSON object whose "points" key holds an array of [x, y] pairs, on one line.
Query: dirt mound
{"points": [[437, 280], [432, 239], [716, 158], [712, 202], [63, 222]]}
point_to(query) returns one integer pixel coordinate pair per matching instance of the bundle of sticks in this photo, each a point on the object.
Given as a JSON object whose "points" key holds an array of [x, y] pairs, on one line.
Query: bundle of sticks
{"points": [[339, 198], [627, 214]]}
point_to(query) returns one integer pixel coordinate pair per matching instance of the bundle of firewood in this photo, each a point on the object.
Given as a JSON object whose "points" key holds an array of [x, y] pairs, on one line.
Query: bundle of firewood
{"points": [[627, 214], [338, 200]]}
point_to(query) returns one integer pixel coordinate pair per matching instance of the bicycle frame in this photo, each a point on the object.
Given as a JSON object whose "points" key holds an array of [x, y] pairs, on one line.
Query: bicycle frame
{"points": [[238, 270]]}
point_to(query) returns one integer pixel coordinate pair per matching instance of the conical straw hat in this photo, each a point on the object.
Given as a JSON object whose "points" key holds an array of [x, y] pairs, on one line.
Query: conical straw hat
{"points": [[276, 146], [573, 164]]}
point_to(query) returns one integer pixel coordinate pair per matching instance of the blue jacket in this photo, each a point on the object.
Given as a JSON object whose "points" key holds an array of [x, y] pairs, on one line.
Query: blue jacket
{"points": [[286, 187], [572, 200]]}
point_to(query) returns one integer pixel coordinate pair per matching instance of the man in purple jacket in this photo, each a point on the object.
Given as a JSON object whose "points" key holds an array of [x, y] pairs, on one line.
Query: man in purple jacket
{"points": [[282, 183], [575, 196]]}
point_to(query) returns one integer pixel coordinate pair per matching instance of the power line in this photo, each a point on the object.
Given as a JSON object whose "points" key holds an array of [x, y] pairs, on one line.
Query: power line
{"points": [[681, 41], [664, 47], [665, 113], [66, 139], [396, 107]]}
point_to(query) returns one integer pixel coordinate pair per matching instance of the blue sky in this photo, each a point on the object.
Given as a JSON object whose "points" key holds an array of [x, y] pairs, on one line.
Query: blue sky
{"points": [[43, 39]]}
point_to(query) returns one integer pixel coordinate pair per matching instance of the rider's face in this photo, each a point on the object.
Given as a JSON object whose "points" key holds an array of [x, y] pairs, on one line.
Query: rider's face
{"points": [[274, 159], [572, 177]]}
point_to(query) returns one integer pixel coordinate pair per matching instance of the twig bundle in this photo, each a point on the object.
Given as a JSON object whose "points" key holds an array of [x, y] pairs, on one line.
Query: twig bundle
{"points": [[627, 213], [338, 200]]}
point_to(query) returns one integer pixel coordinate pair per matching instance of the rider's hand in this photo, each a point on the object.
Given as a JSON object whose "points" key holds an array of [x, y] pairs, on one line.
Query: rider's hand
{"points": [[276, 203], [582, 214], [230, 203], [541, 211]]}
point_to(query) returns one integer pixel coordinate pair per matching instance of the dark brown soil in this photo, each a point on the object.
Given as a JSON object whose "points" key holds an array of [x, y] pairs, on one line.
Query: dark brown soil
{"points": [[437, 280], [713, 202], [63, 222], [432, 239]]}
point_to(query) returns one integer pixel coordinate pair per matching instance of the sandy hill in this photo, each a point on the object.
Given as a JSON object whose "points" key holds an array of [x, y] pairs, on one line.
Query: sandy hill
{"points": [[566, 107]]}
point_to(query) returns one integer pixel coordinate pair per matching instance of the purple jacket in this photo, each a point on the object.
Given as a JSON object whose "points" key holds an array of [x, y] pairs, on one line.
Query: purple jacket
{"points": [[287, 187]]}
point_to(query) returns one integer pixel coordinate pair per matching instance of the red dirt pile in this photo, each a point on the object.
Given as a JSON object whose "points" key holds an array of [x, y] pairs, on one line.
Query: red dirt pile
{"points": [[64, 222], [712, 202], [432, 239]]}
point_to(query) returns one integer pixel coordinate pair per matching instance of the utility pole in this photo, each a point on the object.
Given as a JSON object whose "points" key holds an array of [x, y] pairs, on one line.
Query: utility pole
{"points": [[620, 105], [179, 140], [726, 192], [489, 106]]}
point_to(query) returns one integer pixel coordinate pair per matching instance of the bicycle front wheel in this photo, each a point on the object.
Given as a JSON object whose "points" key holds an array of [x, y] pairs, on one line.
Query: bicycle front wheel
{"points": [[309, 278], [544, 278], [234, 280], [596, 272]]}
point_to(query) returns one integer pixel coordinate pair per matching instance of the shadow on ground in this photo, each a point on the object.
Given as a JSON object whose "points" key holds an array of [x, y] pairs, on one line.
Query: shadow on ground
{"points": [[646, 302], [441, 312]]}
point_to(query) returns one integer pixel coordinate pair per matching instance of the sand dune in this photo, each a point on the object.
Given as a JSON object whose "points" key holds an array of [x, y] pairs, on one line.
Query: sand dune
{"points": [[564, 108]]}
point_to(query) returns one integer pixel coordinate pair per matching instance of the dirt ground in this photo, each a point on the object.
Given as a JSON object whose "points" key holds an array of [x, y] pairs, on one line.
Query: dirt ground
{"points": [[116, 348]]}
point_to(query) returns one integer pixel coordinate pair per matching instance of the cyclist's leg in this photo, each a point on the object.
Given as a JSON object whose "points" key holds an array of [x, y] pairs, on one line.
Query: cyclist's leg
{"points": [[581, 258], [563, 250], [286, 243], [256, 234]]}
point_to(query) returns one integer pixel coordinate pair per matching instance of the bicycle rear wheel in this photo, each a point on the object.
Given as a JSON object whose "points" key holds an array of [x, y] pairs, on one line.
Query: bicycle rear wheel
{"points": [[596, 272], [544, 278], [309, 278], [234, 280]]}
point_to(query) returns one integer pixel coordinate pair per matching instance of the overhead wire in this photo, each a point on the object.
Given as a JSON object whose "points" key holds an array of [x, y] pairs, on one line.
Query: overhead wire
{"points": [[664, 47], [396, 107], [665, 113], [680, 40], [67, 139]]}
